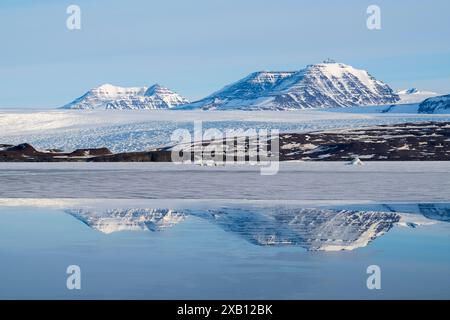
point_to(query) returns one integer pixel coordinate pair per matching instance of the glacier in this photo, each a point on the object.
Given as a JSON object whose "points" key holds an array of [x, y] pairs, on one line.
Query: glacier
{"points": [[137, 130]]}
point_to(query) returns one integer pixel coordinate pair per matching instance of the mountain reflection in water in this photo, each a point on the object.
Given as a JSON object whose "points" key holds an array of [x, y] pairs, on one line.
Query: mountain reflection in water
{"points": [[324, 229]]}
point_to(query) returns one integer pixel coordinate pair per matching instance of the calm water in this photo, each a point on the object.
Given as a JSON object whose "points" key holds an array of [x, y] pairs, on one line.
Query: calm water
{"points": [[377, 181], [165, 249]]}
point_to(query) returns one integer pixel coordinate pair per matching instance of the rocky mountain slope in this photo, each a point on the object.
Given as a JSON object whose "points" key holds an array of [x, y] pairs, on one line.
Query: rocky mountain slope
{"points": [[323, 85], [440, 104]]}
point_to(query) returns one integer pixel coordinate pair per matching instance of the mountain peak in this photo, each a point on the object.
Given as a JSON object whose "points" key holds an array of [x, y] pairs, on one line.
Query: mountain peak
{"points": [[107, 86], [322, 85], [416, 91], [156, 88], [108, 96], [412, 90], [414, 95], [168, 96], [108, 89]]}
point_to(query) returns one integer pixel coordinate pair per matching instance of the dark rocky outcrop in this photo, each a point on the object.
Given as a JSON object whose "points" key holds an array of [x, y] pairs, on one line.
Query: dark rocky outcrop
{"points": [[428, 141], [402, 142], [26, 153], [149, 156], [90, 152]]}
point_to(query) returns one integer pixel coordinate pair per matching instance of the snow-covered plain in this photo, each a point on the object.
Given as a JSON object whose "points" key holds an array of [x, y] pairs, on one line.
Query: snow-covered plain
{"points": [[131, 130]]}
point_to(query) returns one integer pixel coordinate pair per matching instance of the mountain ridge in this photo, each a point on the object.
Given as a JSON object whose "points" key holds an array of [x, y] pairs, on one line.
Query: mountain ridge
{"points": [[413, 95], [317, 86], [439, 104], [108, 96], [323, 85]]}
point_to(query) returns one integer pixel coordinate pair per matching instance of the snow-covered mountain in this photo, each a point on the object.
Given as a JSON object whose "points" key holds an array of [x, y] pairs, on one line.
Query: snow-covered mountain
{"points": [[440, 104], [414, 95], [108, 96], [323, 85]]}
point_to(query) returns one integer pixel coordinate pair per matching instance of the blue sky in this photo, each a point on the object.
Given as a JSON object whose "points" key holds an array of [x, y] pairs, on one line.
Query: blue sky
{"points": [[196, 47]]}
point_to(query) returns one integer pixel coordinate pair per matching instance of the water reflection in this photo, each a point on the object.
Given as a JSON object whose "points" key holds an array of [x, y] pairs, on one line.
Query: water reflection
{"points": [[320, 228], [114, 220]]}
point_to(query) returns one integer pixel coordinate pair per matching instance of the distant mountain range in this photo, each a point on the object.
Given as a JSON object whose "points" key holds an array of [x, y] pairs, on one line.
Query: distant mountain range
{"points": [[414, 95], [108, 96], [323, 85]]}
